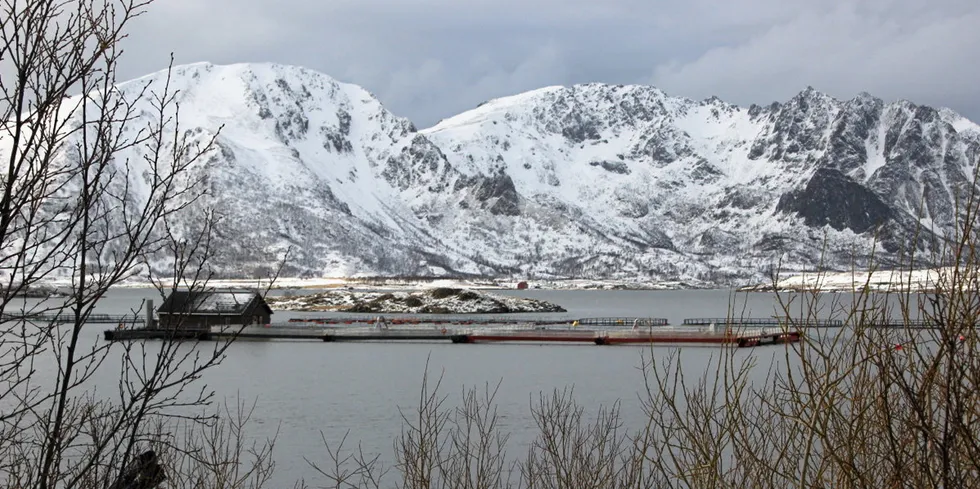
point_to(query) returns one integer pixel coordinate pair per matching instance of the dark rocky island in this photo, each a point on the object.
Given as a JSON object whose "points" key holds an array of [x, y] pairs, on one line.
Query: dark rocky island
{"points": [[434, 301], [34, 292]]}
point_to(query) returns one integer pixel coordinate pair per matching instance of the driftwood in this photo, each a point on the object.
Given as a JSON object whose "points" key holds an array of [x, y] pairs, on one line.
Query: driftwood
{"points": [[142, 473]]}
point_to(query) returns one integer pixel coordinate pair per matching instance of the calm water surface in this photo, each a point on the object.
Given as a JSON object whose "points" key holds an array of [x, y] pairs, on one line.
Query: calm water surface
{"points": [[301, 388]]}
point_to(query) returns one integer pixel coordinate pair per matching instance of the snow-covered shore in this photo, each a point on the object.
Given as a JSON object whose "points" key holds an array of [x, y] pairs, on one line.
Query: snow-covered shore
{"points": [[883, 281], [877, 281], [441, 300], [382, 283]]}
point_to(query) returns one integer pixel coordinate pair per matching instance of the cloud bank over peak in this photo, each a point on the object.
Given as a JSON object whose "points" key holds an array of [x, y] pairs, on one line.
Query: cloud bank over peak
{"points": [[429, 59]]}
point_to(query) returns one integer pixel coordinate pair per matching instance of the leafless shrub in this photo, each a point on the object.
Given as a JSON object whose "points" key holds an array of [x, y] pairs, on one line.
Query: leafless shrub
{"points": [[70, 209], [871, 405]]}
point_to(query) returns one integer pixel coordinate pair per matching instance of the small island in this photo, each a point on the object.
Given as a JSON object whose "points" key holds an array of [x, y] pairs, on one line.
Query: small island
{"points": [[34, 292], [441, 300]]}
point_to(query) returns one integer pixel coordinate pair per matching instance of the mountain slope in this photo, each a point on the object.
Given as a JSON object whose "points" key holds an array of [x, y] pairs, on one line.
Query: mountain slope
{"points": [[584, 181], [707, 183]]}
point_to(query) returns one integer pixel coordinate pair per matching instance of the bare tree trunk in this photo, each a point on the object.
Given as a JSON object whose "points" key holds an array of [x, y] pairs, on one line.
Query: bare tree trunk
{"points": [[75, 149]]}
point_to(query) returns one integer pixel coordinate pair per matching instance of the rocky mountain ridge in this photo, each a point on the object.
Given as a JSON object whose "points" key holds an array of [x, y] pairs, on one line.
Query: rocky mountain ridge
{"points": [[588, 181]]}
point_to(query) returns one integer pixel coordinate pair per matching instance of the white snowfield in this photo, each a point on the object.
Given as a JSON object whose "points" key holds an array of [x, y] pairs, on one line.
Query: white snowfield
{"points": [[857, 281], [595, 182], [915, 281]]}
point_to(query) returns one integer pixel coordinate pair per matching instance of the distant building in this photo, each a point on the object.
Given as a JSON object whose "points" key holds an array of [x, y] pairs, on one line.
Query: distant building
{"points": [[522, 285], [201, 309]]}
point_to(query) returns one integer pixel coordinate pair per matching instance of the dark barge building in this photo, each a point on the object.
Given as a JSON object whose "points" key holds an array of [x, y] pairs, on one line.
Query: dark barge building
{"points": [[201, 309]]}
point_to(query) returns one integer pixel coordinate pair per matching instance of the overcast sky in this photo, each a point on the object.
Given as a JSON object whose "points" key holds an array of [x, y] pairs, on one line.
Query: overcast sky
{"points": [[429, 59]]}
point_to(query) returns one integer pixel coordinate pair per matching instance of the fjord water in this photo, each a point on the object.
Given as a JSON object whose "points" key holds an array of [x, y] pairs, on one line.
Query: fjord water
{"points": [[302, 388]]}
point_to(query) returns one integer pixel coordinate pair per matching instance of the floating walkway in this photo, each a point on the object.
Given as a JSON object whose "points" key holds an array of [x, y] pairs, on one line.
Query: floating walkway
{"points": [[890, 323], [128, 319], [663, 335], [598, 331], [770, 322], [743, 338], [742, 332]]}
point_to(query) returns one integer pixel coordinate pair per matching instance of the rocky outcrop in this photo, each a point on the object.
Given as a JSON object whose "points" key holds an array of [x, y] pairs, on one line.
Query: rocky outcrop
{"points": [[433, 301], [832, 199], [497, 194]]}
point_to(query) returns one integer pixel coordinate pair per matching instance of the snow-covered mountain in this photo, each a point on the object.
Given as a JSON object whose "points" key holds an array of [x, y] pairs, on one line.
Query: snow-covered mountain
{"points": [[596, 181], [713, 191]]}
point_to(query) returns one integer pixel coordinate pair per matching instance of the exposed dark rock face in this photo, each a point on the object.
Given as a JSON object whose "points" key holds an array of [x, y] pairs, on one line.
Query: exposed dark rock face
{"points": [[705, 172], [831, 198], [498, 192], [612, 166], [580, 131], [741, 198], [653, 236], [772, 242], [420, 164], [851, 130]]}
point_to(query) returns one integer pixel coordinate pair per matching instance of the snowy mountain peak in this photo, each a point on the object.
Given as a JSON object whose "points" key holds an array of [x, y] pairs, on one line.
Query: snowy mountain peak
{"points": [[494, 109], [959, 123], [659, 174], [591, 180]]}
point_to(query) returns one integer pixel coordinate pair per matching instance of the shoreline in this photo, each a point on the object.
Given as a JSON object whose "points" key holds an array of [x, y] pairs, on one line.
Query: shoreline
{"points": [[427, 301], [367, 284], [915, 281], [882, 281]]}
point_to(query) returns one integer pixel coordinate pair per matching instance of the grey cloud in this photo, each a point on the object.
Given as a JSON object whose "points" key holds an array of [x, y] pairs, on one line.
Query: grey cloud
{"points": [[921, 56], [429, 59]]}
